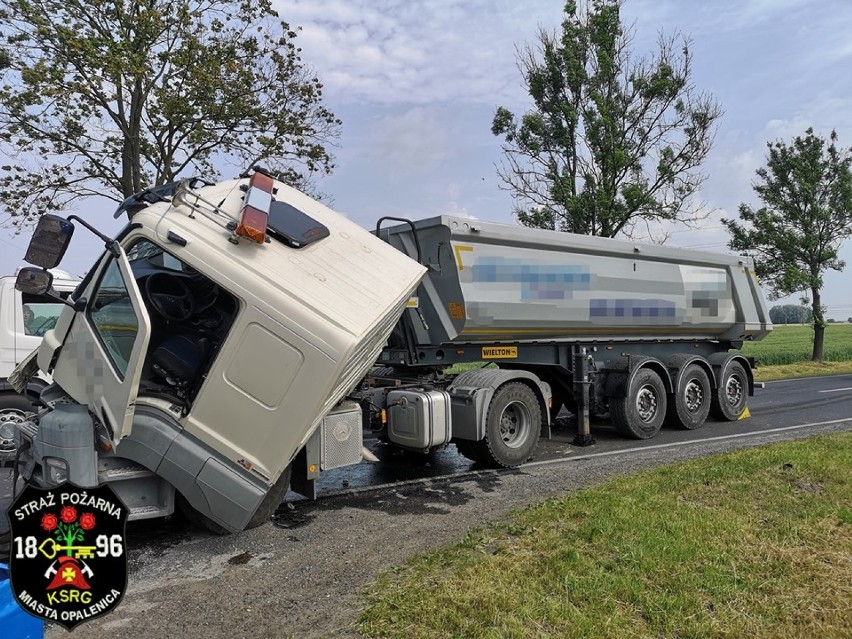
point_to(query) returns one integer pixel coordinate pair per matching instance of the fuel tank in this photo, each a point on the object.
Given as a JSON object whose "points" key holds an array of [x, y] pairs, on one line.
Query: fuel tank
{"points": [[492, 282]]}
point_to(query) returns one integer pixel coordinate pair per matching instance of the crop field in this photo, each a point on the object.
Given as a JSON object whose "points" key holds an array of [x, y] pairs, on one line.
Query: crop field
{"points": [[794, 343]]}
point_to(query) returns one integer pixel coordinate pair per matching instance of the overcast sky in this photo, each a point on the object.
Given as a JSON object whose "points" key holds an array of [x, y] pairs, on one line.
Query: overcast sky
{"points": [[416, 85]]}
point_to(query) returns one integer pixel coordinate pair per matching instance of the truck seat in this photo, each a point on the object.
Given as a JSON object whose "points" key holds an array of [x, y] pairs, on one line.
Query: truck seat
{"points": [[178, 359]]}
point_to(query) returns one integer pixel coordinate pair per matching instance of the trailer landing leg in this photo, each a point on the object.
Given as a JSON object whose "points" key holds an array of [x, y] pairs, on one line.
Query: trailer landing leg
{"points": [[581, 396]]}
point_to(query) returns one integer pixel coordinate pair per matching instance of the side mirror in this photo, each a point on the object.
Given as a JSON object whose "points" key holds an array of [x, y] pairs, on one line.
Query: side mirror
{"points": [[34, 281], [49, 241]]}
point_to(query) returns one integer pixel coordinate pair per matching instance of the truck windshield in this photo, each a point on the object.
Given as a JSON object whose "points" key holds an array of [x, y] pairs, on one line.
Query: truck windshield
{"points": [[40, 314]]}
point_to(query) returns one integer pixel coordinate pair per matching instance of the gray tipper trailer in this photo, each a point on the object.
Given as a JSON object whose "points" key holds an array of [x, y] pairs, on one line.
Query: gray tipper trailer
{"points": [[641, 332], [237, 339]]}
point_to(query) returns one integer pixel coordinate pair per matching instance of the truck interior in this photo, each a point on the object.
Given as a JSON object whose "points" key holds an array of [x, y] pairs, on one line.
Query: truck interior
{"points": [[190, 317]]}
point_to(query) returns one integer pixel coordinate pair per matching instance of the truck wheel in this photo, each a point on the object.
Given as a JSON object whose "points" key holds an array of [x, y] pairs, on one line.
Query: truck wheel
{"points": [[197, 519], [731, 397], [272, 500], [13, 409], [512, 427], [641, 412], [264, 511], [384, 371], [692, 400]]}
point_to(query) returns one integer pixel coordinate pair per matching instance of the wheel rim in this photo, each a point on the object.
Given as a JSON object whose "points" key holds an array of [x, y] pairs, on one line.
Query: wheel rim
{"points": [[9, 417], [646, 404], [734, 390], [693, 396], [515, 424]]}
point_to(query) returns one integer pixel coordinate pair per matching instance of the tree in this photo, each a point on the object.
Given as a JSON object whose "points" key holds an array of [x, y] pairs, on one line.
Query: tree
{"points": [[109, 97], [806, 190], [790, 314], [612, 140]]}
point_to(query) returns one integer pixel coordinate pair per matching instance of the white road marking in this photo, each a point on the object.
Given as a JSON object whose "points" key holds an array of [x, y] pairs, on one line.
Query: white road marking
{"points": [[836, 390], [563, 460], [804, 379], [691, 441]]}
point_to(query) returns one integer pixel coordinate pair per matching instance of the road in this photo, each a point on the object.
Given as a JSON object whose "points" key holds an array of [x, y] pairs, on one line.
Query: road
{"points": [[302, 577]]}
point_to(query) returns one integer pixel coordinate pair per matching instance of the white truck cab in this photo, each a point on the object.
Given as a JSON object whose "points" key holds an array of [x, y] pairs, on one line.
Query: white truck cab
{"points": [[24, 319], [218, 334]]}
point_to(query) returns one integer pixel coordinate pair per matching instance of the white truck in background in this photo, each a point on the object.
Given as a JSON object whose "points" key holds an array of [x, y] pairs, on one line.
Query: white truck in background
{"points": [[24, 319]]}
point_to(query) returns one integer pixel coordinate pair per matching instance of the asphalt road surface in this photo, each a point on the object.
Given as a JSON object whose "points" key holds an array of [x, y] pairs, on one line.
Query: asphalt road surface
{"points": [[302, 574]]}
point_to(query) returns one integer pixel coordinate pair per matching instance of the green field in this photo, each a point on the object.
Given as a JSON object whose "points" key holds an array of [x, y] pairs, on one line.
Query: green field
{"points": [[794, 343], [756, 543]]}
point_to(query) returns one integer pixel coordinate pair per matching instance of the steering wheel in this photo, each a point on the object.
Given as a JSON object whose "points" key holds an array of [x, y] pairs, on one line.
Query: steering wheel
{"points": [[170, 296]]}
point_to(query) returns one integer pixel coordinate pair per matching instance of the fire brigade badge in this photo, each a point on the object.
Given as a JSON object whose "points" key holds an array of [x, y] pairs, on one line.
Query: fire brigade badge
{"points": [[68, 561]]}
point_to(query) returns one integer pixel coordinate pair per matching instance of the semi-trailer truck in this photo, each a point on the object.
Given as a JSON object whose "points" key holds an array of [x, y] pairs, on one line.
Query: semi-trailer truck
{"points": [[237, 339]]}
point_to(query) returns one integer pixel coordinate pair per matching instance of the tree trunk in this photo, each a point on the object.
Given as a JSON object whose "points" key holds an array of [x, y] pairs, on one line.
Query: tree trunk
{"points": [[819, 328]]}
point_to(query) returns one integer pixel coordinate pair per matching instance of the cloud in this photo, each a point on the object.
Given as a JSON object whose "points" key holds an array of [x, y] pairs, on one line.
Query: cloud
{"points": [[454, 209], [788, 128], [390, 51]]}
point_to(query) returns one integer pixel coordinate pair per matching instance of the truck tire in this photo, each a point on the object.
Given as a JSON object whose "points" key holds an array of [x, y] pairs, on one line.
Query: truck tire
{"points": [[197, 519], [512, 427], [731, 397], [384, 371], [272, 500], [264, 511], [13, 409], [640, 413], [689, 406]]}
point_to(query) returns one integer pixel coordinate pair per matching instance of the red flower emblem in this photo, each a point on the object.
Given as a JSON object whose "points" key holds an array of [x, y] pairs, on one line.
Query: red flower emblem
{"points": [[68, 514], [87, 521], [49, 521]]}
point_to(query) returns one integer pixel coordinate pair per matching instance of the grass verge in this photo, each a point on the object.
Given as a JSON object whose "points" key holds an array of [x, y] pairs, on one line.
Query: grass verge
{"points": [[802, 369], [756, 543]]}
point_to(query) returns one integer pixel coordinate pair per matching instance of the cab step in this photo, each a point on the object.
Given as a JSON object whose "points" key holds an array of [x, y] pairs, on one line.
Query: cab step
{"points": [[144, 493]]}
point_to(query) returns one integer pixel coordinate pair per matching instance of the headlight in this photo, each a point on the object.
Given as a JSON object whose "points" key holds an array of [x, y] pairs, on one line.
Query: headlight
{"points": [[56, 470]]}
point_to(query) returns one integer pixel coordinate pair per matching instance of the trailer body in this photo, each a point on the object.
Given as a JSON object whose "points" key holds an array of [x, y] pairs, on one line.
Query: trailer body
{"points": [[237, 339], [495, 282]]}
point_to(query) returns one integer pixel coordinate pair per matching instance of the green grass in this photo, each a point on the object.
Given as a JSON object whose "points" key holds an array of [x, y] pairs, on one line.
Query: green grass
{"points": [[801, 369], [794, 343], [756, 543]]}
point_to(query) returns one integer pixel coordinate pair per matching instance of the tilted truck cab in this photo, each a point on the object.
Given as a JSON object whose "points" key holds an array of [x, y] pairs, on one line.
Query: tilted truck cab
{"points": [[206, 360], [239, 337]]}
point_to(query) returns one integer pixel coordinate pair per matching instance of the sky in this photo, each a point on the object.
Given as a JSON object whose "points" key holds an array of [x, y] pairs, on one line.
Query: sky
{"points": [[416, 85]]}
